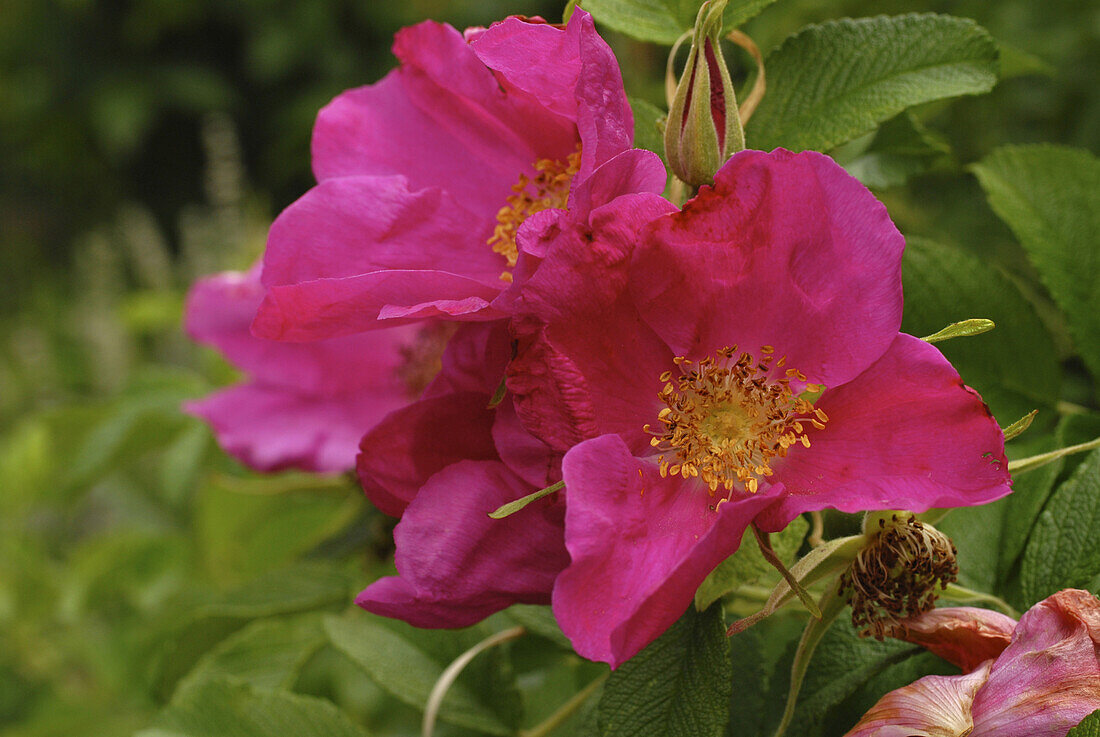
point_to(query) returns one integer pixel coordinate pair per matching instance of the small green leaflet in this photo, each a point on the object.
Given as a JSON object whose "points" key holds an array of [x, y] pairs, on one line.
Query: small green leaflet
{"points": [[510, 508], [1089, 726]]}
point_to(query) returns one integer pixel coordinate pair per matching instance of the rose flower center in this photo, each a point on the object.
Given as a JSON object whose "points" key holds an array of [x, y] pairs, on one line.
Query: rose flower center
{"points": [[548, 189], [728, 416]]}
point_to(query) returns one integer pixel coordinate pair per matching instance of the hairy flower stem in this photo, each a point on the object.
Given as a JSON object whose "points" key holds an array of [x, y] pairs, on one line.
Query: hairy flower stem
{"points": [[564, 711], [1033, 462], [961, 593], [452, 671]]}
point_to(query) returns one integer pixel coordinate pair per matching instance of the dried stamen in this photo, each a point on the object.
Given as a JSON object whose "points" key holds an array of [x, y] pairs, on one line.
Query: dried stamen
{"points": [[896, 576], [726, 418]]}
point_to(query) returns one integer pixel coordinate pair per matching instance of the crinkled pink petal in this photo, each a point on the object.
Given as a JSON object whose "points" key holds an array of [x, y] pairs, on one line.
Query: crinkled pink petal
{"points": [[906, 434], [964, 636], [596, 367], [934, 706], [324, 308], [410, 445], [785, 250], [639, 544], [270, 428], [1048, 679], [455, 564]]}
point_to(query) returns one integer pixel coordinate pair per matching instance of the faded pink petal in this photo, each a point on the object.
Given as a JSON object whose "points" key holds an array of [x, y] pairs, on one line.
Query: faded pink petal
{"points": [[906, 434], [964, 636], [1048, 679], [639, 545], [785, 250], [303, 406], [455, 564], [934, 706]]}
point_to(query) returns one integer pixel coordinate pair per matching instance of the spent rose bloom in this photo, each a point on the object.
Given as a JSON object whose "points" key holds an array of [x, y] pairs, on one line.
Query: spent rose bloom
{"points": [[1043, 682], [304, 405], [425, 177], [675, 369]]}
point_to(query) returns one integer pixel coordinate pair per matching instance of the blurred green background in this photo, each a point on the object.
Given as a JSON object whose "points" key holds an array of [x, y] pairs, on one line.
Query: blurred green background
{"points": [[147, 142]]}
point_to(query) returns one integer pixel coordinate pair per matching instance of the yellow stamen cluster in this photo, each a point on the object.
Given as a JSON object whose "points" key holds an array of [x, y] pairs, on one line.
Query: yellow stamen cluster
{"points": [[727, 417], [549, 188]]}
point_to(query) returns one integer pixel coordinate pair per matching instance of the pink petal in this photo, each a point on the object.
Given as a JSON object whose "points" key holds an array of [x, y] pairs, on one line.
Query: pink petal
{"points": [[964, 636], [934, 706], [457, 566], [270, 428], [474, 359], [1048, 679], [221, 308], [525, 455], [410, 445], [785, 250], [906, 434], [640, 545], [324, 308], [439, 119]]}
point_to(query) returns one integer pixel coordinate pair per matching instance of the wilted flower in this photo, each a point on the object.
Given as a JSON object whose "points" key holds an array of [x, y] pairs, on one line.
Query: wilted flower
{"points": [[737, 361], [1046, 680], [303, 405], [426, 177]]}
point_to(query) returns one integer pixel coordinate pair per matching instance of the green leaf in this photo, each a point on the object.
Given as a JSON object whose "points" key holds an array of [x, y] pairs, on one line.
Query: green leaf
{"points": [[1030, 492], [663, 21], [678, 686], [266, 655], [1062, 552], [842, 664], [834, 82], [747, 565], [1089, 726], [223, 708], [407, 670], [943, 285], [901, 148], [647, 130], [1050, 198]]}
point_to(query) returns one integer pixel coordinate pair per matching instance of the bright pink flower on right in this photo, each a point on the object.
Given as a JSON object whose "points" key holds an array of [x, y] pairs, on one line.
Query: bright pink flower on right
{"points": [[1045, 681], [734, 362]]}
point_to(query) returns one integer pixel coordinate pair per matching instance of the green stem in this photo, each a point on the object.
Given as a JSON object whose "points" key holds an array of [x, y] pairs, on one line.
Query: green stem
{"points": [[1033, 462], [961, 593], [1069, 408], [564, 711], [762, 539], [452, 671]]}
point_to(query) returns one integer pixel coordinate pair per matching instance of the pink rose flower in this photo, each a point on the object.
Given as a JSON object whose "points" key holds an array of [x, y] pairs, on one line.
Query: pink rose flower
{"points": [[1045, 681], [672, 366], [306, 405], [425, 177]]}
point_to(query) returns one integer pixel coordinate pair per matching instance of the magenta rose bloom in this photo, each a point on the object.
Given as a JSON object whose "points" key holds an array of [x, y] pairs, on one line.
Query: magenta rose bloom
{"points": [[425, 177], [733, 362], [1045, 681], [445, 462], [303, 406]]}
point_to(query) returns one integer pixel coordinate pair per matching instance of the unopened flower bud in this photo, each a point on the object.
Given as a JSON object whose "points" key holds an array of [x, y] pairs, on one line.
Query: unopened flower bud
{"points": [[703, 128], [896, 575]]}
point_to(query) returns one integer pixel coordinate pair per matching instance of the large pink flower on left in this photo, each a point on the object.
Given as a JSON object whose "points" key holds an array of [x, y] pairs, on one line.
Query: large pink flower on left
{"points": [[304, 405], [426, 176]]}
